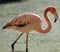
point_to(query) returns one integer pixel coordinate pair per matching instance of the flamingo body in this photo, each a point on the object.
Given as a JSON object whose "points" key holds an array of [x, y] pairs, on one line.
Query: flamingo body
{"points": [[25, 22]]}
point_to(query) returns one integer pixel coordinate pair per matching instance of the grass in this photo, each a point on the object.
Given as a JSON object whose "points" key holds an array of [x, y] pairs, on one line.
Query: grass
{"points": [[37, 42]]}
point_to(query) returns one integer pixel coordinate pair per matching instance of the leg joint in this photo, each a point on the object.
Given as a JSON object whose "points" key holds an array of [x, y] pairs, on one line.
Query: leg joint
{"points": [[12, 45]]}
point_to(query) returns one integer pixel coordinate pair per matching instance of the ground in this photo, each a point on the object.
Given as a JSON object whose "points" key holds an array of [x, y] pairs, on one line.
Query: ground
{"points": [[38, 42]]}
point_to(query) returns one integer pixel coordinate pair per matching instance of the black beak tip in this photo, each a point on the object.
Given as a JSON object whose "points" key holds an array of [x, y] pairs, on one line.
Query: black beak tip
{"points": [[55, 20]]}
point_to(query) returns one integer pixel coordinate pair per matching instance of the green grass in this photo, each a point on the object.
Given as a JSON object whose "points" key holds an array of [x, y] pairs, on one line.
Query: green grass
{"points": [[37, 42]]}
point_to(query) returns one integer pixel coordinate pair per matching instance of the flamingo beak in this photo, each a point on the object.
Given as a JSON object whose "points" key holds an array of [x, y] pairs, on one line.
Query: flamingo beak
{"points": [[56, 17]]}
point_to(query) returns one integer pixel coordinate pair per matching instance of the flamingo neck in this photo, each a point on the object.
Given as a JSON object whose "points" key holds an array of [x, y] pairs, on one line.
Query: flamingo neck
{"points": [[48, 23]]}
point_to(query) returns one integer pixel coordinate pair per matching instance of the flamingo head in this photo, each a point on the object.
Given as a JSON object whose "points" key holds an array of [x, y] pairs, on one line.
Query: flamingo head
{"points": [[53, 11]]}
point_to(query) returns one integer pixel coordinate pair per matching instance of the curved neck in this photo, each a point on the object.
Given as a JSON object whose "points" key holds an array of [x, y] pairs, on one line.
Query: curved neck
{"points": [[48, 23]]}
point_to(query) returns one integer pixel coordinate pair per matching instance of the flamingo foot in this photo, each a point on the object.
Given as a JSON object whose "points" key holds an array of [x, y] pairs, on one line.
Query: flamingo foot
{"points": [[26, 50], [12, 46]]}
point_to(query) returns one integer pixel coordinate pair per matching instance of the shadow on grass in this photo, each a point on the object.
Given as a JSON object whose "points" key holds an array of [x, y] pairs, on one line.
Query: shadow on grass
{"points": [[19, 51]]}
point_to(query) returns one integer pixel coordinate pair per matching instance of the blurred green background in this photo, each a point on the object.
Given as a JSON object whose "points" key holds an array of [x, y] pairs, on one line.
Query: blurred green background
{"points": [[37, 42]]}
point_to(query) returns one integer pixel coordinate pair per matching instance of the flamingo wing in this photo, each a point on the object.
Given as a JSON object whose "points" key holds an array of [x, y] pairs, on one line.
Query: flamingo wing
{"points": [[22, 24]]}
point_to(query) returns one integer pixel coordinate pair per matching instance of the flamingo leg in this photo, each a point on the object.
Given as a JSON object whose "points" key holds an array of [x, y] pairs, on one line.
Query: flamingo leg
{"points": [[27, 43], [12, 45]]}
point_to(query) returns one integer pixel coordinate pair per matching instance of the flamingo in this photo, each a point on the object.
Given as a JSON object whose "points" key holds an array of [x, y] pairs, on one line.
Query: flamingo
{"points": [[30, 21]]}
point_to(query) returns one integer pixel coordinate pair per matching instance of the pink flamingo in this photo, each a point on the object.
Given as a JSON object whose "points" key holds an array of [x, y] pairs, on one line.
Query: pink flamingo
{"points": [[28, 22]]}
